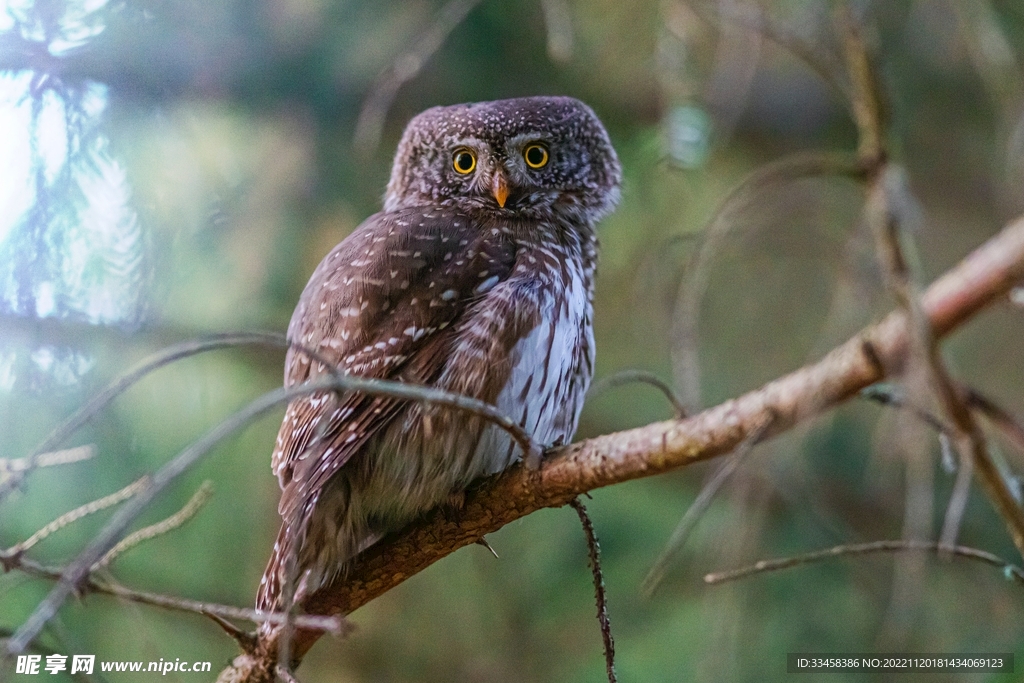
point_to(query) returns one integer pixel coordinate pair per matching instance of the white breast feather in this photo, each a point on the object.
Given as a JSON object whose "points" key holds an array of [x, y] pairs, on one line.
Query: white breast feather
{"points": [[552, 408]]}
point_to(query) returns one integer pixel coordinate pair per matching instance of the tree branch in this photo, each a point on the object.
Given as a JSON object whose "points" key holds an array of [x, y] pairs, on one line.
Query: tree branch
{"points": [[209, 609], [983, 277], [1012, 571]]}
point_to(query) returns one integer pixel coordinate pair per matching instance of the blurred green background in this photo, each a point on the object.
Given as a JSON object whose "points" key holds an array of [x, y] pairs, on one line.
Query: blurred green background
{"points": [[211, 149]]}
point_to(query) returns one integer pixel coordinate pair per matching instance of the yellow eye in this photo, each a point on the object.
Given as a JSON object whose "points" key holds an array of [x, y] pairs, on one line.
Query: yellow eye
{"points": [[536, 155], [463, 161]]}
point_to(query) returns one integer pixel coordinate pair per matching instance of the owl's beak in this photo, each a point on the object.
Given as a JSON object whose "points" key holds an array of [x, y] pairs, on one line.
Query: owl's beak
{"points": [[499, 188]]}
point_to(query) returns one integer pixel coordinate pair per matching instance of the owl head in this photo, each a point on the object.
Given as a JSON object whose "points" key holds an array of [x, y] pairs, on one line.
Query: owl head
{"points": [[532, 157]]}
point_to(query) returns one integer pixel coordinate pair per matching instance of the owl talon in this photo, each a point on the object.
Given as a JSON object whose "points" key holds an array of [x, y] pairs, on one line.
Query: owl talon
{"points": [[456, 500], [536, 455], [451, 508], [533, 459]]}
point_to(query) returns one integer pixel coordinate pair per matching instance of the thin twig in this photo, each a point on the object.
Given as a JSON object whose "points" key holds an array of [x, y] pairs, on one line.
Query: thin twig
{"points": [[558, 22], [957, 502], [991, 53], [124, 382], [404, 68], [45, 651], [110, 534], [697, 509], [78, 513], [1007, 424], [889, 395], [685, 360], [642, 376], [274, 340], [186, 513], [1011, 571], [288, 590], [51, 459], [96, 585], [865, 94], [747, 15], [246, 640], [285, 675], [594, 550], [12, 472]]}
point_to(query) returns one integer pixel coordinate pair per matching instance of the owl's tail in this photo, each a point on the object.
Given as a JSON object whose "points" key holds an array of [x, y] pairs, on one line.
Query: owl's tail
{"points": [[270, 584], [270, 596]]}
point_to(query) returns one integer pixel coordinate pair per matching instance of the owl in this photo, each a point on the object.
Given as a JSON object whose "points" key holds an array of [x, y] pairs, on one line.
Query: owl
{"points": [[476, 278]]}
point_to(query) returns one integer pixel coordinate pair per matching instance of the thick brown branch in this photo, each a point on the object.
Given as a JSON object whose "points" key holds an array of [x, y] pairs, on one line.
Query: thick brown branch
{"points": [[983, 277]]}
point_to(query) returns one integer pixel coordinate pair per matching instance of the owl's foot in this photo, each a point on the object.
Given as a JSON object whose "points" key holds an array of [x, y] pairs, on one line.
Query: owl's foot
{"points": [[535, 457], [452, 507]]}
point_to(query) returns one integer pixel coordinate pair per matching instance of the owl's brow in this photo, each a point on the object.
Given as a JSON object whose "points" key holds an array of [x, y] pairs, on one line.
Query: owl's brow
{"points": [[470, 141], [531, 136]]}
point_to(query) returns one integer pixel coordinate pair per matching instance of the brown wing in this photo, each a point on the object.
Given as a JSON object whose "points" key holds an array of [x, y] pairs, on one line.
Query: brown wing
{"points": [[384, 304]]}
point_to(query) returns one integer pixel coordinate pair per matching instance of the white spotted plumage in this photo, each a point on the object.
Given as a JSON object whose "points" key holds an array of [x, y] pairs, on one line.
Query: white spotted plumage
{"points": [[451, 289]]}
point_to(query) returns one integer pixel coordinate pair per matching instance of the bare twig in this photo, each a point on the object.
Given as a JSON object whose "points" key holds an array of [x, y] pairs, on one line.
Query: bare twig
{"points": [[403, 69], [186, 513], [38, 648], [75, 515], [268, 339], [642, 376], [109, 535], [594, 550], [12, 472], [246, 641], [483, 541], [96, 585], [698, 272], [864, 95], [983, 277], [749, 16], [62, 457], [1011, 571], [697, 509], [889, 395], [957, 503], [123, 383], [1007, 424], [558, 21], [991, 52]]}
